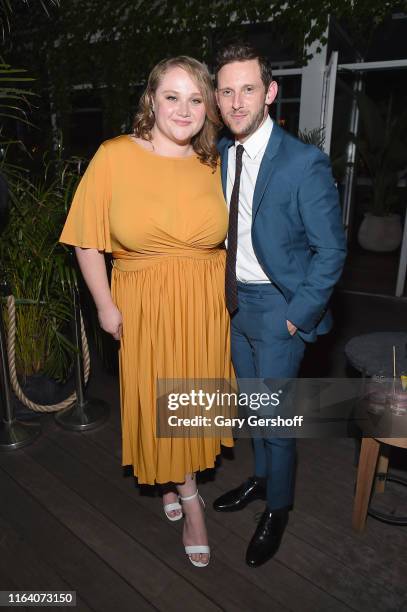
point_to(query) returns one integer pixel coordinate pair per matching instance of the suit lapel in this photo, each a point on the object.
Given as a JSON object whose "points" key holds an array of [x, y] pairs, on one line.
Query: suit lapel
{"points": [[266, 166]]}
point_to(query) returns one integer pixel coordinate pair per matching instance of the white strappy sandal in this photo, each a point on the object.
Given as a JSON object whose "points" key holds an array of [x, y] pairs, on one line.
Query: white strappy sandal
{"points": [[171, 507], [190, 550]]}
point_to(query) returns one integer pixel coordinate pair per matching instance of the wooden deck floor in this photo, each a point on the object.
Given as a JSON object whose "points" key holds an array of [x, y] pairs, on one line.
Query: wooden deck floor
{"points": [[71, 518]]}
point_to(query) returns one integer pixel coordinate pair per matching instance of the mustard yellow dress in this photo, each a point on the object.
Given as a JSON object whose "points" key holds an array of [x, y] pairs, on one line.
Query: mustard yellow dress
{"points": [[164, 220]]}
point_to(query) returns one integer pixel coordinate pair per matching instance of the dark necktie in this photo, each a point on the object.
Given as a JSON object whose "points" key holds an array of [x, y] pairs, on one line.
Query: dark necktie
{"points": [[230, 279]]}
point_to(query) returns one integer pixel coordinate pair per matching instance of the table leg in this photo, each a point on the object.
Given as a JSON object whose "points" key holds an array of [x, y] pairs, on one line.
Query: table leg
{"points": [[365, 476]]}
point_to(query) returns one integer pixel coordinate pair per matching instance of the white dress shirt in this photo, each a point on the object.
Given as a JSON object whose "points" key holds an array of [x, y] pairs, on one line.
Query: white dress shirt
{"points": [[248, 269]]}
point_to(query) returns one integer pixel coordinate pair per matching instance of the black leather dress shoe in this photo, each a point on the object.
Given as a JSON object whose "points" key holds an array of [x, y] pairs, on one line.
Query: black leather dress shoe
{"points": [[267, 537], [237, 499]]}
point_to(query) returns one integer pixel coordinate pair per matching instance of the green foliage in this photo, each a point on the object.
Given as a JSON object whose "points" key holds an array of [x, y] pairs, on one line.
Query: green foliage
{"points": [[33, 266], [315, 137], [382, 146], [14, 94], [112, 44], [37, 270], [6, 11], [14, 98]]}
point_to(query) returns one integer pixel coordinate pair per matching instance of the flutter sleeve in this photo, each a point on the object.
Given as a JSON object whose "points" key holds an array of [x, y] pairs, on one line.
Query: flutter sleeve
{"points": [[87, 223]]}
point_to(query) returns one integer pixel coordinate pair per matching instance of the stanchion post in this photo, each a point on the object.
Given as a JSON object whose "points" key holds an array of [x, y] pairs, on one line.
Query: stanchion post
{"points": [[87, 412]]}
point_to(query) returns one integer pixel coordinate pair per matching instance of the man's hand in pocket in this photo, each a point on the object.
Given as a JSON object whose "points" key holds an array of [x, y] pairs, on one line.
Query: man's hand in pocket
{"points": [[291, 327]]}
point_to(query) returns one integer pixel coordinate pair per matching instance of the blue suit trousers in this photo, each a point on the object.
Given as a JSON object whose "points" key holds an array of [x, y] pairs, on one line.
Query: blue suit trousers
{"points": [[262, 347]]}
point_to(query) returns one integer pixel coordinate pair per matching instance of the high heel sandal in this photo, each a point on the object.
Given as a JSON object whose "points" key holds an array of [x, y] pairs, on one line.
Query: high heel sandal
{"points": [[191, 550], [173, 506]]}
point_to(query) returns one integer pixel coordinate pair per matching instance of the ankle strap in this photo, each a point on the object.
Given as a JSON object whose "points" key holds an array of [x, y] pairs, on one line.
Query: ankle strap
{"points": [[189, 497]]}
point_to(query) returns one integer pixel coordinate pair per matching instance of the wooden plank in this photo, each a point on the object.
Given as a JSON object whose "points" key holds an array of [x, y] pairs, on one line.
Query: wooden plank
{"points": [[7, 584], [244, 528], [101, 587], [347, 549], [298, 591], [105, 386], [322, 492], [218, 582], [315, 559], [27, 569], [325, 484], [105, 537], [366, 472], [323, 488], [292, 589], [388, 570]]}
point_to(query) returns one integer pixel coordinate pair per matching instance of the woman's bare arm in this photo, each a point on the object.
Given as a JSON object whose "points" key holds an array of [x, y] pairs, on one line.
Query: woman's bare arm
{"points": [[93, 268]]}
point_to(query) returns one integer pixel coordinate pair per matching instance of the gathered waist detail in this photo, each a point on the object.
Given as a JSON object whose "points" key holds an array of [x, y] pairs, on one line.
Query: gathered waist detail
{"points": [[128, 262]]}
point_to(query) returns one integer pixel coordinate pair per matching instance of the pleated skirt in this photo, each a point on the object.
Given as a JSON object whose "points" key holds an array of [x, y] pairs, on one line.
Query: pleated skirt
{"points": [[175, 326]]}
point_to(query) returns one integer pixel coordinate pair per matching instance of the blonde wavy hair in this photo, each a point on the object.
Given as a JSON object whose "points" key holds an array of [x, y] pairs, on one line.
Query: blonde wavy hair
{"points": [[203, 143]]}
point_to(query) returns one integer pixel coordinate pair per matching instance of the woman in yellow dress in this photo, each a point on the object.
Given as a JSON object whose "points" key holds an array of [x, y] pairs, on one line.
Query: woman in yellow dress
{"points": [[154, 200]]}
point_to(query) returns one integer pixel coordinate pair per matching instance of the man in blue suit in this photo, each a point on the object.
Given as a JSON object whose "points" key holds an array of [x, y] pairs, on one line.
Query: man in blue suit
{"points": [[286, 250]]}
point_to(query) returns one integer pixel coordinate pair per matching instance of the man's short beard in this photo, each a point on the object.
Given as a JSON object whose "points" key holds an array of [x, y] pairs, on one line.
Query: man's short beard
{"points": [[253, 125]]}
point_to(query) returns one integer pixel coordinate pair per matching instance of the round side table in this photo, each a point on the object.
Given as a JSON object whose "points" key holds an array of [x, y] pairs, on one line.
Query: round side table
{"points": [[372, 355]]}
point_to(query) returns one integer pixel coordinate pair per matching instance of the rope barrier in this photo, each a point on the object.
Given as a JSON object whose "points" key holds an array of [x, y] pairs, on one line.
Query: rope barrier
{"points": [[11, 344]]}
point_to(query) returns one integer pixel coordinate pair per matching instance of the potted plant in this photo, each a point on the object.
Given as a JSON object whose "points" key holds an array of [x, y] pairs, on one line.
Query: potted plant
{"points": [[316, 137], [36, 270], [382, 148], [34, 267]]}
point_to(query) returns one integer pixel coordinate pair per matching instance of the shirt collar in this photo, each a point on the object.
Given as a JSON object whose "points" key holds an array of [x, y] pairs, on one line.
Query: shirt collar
{"points": [[257, 141]]}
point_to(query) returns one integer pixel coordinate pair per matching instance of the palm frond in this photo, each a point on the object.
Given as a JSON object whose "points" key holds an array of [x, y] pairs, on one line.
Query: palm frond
{"points": [[315, 137], [38, 269], [6, 12]]}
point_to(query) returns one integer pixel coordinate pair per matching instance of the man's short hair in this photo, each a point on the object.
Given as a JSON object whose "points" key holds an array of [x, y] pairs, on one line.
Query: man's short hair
{"points": [[241, 52]]}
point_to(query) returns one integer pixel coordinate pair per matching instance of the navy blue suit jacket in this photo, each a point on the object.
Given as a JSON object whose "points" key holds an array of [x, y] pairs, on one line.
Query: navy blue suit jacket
{"points": [[297, 230]]}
